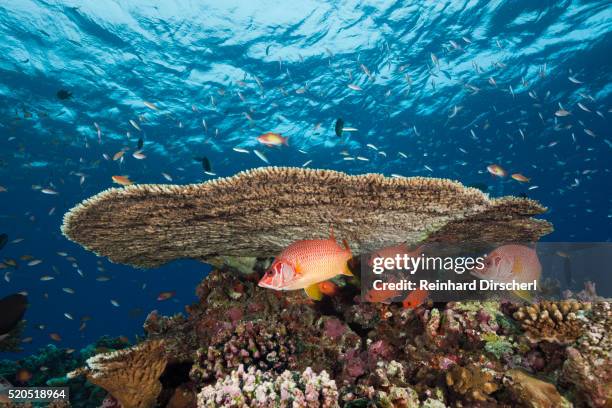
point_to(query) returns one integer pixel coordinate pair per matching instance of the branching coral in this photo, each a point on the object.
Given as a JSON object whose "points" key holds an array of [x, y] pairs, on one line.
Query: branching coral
{"points": [[553, 321], [130, 375], [254, 388], [265, 345]]}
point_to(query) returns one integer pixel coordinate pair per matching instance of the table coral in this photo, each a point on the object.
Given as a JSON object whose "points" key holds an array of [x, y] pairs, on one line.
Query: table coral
{"points": [[259, 212]]}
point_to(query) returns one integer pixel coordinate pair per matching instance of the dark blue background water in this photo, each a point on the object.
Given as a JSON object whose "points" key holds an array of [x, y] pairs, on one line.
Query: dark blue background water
{"points": [[287, 66]]}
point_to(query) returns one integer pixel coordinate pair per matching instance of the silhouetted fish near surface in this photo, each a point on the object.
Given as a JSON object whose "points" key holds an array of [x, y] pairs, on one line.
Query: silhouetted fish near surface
{"points": [[339, 126], [205, 162], [64, 94], [3, 240], [12, 309]]}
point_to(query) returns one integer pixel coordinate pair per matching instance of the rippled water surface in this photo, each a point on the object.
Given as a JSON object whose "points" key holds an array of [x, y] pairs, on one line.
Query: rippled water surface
{"points": [[431, 88]]}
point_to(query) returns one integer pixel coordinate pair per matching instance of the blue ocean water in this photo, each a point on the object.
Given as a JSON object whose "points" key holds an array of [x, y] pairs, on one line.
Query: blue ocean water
{"points": [[437, 88]]}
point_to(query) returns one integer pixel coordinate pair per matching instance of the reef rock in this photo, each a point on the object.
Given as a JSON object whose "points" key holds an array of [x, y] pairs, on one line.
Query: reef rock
{"points": [[259, 212]]}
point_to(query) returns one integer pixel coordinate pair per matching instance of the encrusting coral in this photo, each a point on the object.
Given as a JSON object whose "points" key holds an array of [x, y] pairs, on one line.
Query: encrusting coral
{"points": [[561, 321], [130, 375], [259, 212]]}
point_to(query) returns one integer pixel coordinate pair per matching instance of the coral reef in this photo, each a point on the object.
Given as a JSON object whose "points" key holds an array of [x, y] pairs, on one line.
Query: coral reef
{"points": [[242, 346], [257, 213], [453, 354], [254, 388], [131, 375], [588, 368]]}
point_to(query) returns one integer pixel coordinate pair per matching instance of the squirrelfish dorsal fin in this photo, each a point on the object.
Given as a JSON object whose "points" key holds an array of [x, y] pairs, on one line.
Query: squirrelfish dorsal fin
{"points": [[331, 233]]}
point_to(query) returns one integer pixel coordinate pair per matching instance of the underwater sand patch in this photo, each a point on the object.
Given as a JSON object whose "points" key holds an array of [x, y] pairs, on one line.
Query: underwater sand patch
{"points": [[257, 213]]}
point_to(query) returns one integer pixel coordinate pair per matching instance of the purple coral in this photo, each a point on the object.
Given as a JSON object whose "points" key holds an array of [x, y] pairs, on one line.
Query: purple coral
{"points": [[264, 344], [334, 328]]}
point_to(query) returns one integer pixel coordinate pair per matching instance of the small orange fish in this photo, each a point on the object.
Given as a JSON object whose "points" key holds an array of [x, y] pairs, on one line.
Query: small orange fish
{"points": [[118, 155], [272, 139], [55, 337], [415, 299], [328, 288], [496, 170], [122, 180], [520, 177], [166, 295], [23, 376], [304, 264]]}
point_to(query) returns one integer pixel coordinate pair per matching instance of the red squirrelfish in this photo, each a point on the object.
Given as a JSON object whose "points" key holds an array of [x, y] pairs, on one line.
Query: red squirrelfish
{"points": [[272, 139], [509, 263], [415, 299], [303, 264]]}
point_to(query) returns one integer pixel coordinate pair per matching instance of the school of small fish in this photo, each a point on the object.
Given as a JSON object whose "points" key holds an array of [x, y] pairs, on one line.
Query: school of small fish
{"points": [[460, 106]]}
